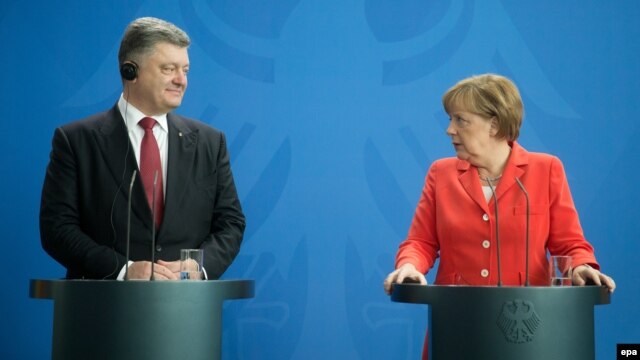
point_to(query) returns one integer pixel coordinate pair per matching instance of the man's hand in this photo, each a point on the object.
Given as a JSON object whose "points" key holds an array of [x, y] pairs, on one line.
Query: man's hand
{"points": [[141, 270]]}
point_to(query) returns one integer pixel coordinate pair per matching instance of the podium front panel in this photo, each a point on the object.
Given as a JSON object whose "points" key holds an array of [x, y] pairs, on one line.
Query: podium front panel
{"points": [[138, 319], [508, 322]]}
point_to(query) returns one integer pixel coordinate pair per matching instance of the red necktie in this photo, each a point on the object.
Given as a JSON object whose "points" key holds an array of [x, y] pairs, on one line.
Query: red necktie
{"points": [[149, 165]]}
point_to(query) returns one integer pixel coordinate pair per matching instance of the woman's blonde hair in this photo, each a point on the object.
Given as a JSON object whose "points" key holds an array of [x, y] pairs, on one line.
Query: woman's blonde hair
{"points": [[489, 96]]}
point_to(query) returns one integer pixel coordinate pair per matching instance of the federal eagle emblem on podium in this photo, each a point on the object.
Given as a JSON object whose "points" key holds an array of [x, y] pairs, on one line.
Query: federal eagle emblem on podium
{"points": [[518, 321]]}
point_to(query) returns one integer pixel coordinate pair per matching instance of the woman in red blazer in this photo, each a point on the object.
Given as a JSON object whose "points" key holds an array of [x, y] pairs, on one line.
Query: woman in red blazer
{"points": [[455, 218]]}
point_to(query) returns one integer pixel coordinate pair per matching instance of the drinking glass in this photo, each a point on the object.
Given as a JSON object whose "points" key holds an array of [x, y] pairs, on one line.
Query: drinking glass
{"points": [[560, 270], [191, 261]]}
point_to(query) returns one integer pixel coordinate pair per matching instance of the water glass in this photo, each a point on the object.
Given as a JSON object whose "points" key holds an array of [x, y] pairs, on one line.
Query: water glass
{"points": [[191, 262], [560, 270]]}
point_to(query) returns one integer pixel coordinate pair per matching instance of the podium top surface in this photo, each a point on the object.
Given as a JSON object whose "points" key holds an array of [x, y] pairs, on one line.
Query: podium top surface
{"points": [[437, 294], [222, 289]]}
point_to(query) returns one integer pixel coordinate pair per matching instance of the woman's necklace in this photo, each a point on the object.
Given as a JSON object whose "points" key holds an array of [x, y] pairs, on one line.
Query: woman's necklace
{"points": [[491, 179]]}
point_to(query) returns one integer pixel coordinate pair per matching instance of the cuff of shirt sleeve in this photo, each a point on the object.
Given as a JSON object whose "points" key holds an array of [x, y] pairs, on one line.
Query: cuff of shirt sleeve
{"points": [[123, 271]]}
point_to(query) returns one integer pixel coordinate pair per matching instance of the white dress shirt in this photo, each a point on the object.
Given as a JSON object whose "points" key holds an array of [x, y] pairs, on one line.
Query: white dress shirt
{"points": [[132, 116]]}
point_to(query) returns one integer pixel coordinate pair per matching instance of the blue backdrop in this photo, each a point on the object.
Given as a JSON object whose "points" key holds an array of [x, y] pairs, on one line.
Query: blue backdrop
{"points": [[332, 110]]}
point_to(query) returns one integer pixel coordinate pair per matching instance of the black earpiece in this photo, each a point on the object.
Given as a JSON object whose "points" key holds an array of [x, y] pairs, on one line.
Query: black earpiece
{"points": [[129, 70]]}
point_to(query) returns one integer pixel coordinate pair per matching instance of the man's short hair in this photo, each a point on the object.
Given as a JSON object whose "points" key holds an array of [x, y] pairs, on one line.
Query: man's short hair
{"points": [[142, 35]]}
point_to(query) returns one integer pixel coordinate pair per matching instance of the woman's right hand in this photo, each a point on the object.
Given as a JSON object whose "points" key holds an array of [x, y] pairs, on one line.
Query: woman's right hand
{"points": [[406, 272]]}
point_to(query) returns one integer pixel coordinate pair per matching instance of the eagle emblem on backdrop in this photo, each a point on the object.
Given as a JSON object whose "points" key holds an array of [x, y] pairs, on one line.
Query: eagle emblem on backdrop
{"points": [[518, 321]]}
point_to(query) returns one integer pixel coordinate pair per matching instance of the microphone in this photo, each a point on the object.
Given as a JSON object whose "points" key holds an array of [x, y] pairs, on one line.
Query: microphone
{"points": [[153, 227], [133, 180], [526, 246], [495, 202]]}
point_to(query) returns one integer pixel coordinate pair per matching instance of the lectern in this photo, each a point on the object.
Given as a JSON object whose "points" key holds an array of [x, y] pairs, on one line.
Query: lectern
{"points": [[470, 322], [108, 319]]}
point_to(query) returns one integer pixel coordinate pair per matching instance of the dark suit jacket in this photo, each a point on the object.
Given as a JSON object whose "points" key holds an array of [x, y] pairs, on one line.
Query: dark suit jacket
{"points": [[83, 214]]}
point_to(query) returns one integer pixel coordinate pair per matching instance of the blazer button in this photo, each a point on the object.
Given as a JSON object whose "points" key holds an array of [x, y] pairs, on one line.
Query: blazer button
{"points": [[485, 217], [484, 273], [486, 244], [158, 248]]}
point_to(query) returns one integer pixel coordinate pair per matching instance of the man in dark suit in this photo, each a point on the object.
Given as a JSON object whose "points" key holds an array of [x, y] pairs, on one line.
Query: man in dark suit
{"points": [[182, 168]]}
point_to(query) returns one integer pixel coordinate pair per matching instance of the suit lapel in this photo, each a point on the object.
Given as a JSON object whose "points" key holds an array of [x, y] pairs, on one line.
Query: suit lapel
{"points": [[513, 169], [113, 141], [470, 182], [182, 150]]}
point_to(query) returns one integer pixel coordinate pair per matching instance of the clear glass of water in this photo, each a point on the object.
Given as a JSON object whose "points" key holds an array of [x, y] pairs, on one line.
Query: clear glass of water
{"points": [[191, 262], [560, 270]]}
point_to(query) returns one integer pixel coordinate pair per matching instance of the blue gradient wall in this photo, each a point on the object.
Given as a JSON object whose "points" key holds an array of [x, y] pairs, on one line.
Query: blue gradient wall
{"points": [[332, 109]]}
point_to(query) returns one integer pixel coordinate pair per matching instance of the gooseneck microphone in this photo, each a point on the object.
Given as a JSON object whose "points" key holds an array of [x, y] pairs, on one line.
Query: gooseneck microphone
{"points": [[495, 202], [133, 180], [526, 243], [153, 224]]}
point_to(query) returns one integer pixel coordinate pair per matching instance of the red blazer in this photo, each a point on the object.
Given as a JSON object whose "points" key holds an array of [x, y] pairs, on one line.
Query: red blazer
{"points": [[454, 221]]}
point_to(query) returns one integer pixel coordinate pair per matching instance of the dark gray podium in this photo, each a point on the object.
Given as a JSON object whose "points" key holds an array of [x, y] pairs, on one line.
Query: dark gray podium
{"points": [[470, 322], [107, 319]]}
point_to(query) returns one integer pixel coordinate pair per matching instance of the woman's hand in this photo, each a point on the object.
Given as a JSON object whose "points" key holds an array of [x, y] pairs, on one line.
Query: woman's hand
{"points": [[584, 273], [406, 272]]}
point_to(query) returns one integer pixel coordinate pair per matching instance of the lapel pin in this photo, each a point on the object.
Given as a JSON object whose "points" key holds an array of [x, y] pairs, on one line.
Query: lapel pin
{"points": [[180, 134]]}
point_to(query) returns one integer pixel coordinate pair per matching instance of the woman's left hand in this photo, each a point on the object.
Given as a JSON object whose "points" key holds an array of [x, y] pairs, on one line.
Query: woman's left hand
{"points": [[583, 273]]}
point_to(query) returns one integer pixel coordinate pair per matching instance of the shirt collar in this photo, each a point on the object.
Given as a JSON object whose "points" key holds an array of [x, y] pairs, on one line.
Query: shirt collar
{"points": [[132, 115]]}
